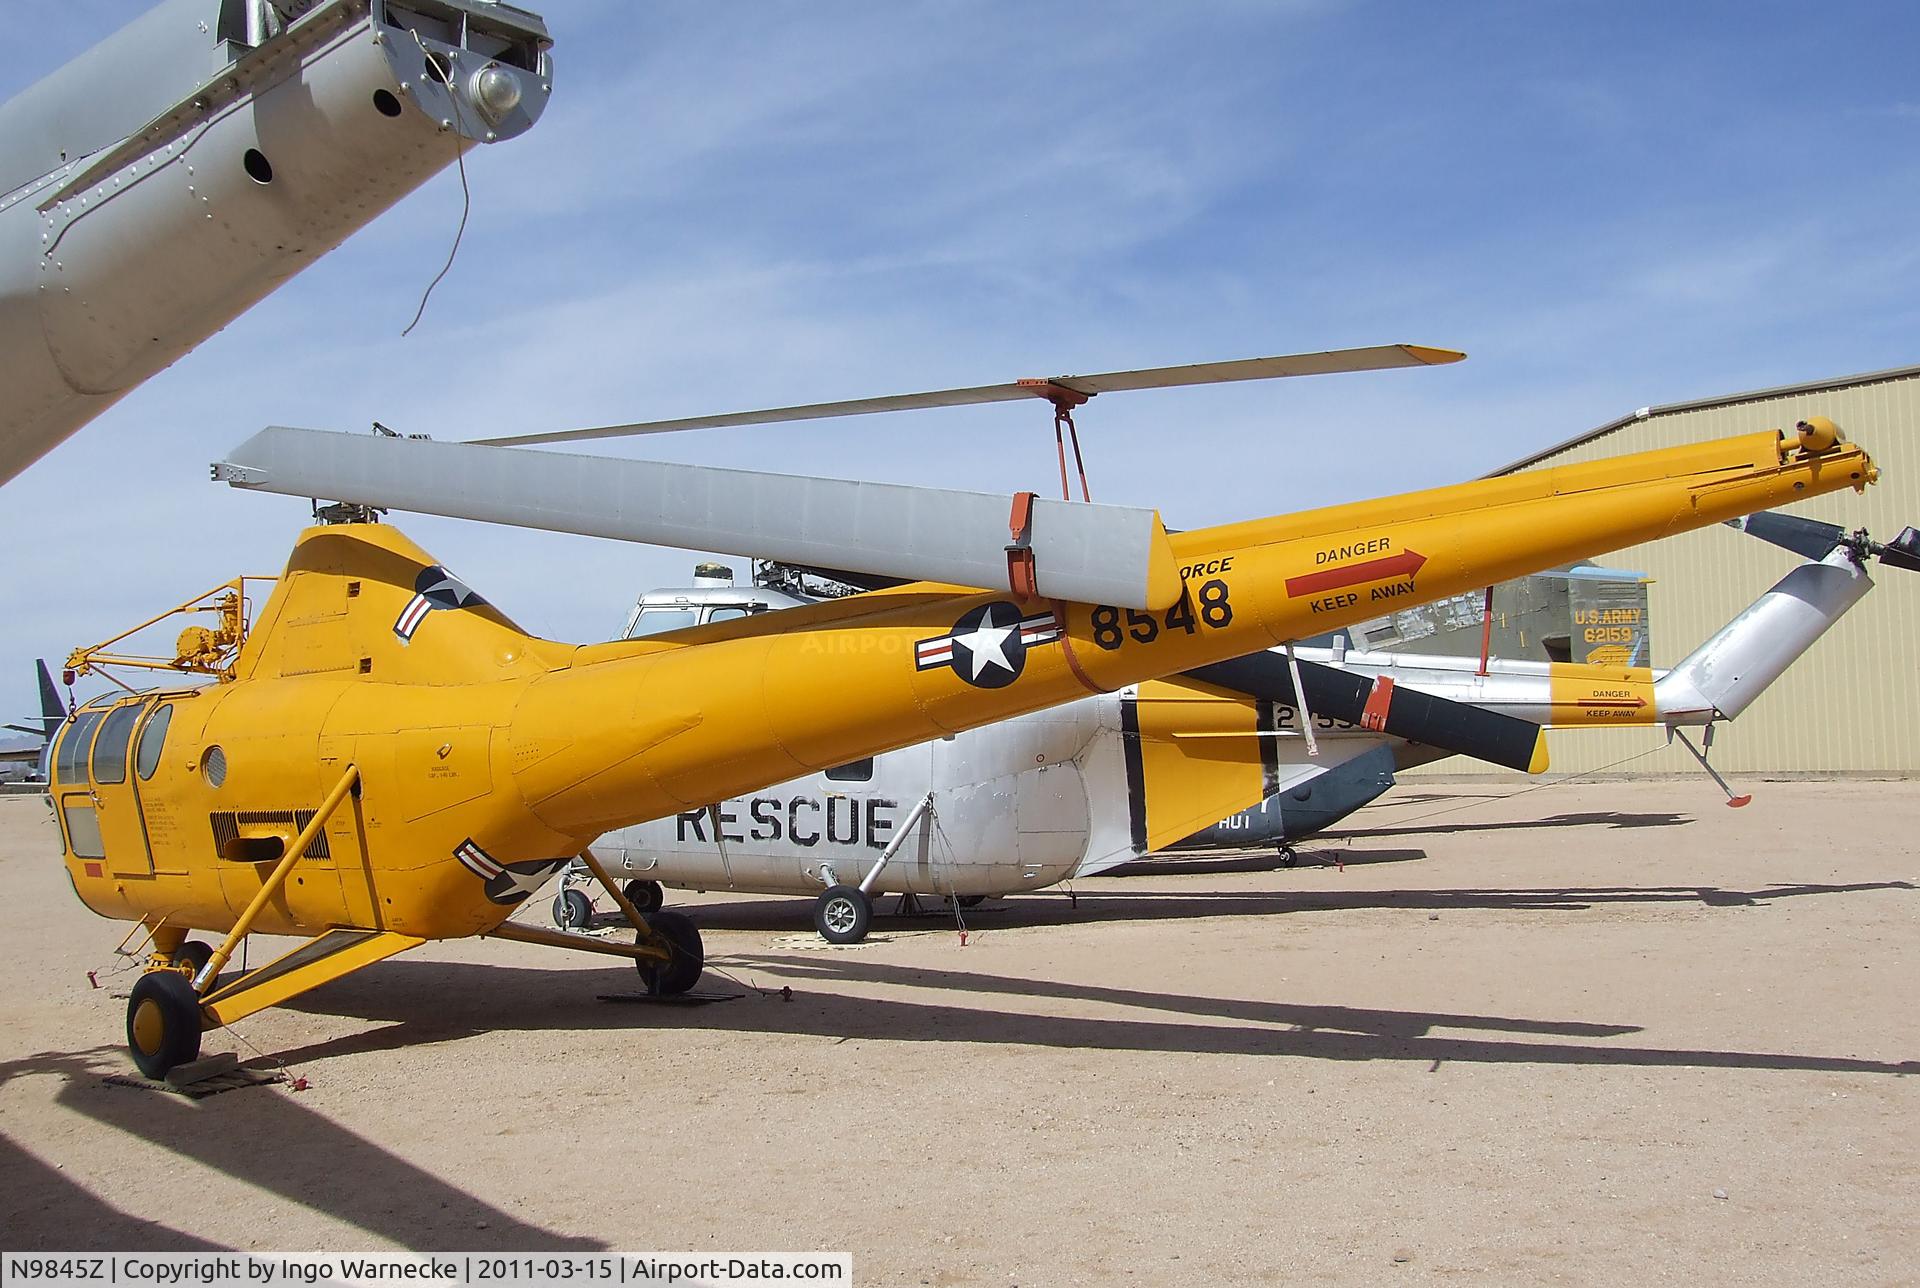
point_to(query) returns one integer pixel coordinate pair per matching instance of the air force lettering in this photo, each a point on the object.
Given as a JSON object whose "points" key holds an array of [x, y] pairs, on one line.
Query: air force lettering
{"points": [[988, 646], [435, 587]]}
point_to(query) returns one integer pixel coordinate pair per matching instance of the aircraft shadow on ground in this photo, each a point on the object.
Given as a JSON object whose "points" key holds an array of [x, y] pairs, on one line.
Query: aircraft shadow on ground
{"points": [[1206, 863], [429, 1002], [1052, 908], [1587, 818], [266, 1139]]}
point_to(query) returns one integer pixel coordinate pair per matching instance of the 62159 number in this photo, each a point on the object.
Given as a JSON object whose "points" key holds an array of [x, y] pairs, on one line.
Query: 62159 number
{"points": [[1215, 612]]}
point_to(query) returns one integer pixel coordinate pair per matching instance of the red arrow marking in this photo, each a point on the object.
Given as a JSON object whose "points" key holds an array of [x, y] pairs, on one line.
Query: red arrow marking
{"points": [[1611, 702], [1404, 564]]}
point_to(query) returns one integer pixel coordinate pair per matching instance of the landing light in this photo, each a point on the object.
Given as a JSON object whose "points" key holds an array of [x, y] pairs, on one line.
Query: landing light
{"points": [[496, 90]]}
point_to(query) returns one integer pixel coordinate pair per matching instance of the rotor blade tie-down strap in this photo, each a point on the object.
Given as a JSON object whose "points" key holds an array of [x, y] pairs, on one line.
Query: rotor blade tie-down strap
{"points": [[1373, 716], [1022, 576], [1063, 419]]}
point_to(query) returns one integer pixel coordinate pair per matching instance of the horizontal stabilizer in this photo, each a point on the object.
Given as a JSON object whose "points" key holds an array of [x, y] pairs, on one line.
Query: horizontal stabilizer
{"points": [[1379, 704], [1069, 389], [1103, 554]]}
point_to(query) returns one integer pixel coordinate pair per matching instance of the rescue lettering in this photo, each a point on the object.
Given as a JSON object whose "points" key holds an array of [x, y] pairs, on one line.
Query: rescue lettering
{"points": [[805, 821]]}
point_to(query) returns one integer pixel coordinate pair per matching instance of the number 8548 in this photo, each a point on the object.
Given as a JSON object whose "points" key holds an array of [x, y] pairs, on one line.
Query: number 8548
{"points": [[1215, 611]]}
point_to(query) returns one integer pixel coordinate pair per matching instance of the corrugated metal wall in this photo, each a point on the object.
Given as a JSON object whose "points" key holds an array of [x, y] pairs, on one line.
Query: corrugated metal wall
{"points": [[1852, 705]]}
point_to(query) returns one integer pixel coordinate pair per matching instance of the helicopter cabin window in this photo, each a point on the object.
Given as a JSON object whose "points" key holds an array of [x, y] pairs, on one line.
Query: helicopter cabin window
{"points": [[725, 614], [152, 738], [110, 748], [854, 771], [656, 621], [83, 828], [70, 761]]}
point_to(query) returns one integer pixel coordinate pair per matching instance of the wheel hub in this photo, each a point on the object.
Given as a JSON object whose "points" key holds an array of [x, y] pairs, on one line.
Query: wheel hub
{"points": [[149, 1027]]}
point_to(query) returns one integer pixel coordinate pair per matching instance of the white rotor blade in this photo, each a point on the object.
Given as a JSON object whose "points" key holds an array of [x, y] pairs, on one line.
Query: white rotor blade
{"points": [[1378, 358], [1102, 554]]}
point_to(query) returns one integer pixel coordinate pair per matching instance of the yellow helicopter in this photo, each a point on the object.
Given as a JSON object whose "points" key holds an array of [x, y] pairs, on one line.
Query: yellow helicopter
{"points": [[384, 758]]}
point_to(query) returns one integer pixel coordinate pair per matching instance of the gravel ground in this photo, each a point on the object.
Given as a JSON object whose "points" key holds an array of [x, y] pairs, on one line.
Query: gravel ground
{"points": [[1589, 1034]]}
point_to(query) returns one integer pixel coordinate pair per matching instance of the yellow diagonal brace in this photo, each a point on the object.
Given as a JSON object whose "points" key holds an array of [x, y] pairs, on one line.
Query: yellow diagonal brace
{"points": [[305, 967], [578, 943], [276, 879]]}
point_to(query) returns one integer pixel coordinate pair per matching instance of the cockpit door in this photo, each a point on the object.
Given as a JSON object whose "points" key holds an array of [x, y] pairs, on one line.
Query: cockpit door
{"points": [[116, 791]]}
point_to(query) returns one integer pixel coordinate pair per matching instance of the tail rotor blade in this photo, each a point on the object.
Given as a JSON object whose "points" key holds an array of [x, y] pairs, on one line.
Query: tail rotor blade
{"points": [[1389, 708]]}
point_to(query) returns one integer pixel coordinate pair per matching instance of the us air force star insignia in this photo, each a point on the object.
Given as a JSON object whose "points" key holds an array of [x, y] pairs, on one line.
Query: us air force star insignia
{"points": [[506, 882], [988, 646], [435, 587]]}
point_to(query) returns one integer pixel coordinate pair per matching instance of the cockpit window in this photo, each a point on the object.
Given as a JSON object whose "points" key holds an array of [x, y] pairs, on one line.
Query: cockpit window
{"points": [[70, 765], [655, 621], [110, 748], [725, 614], [147, 759]]}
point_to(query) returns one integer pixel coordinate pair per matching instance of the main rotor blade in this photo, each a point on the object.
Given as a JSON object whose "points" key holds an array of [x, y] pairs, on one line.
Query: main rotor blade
{"points": [[1378, 358], [1457, 727], [1102, 554]]}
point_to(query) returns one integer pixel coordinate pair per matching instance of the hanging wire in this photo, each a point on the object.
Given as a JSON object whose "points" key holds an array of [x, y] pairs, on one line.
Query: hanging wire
{"points": [[1536, 787], [466, 198]]}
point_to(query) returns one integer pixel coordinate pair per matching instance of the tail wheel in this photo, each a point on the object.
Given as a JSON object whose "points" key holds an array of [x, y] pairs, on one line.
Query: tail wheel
{"points": [[572, 910], [163, 1022], [681, 971], [842, 914], [646, 896]]}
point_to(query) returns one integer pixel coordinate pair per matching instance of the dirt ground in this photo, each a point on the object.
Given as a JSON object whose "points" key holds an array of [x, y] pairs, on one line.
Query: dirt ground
{"points": [[1588, 1034]]}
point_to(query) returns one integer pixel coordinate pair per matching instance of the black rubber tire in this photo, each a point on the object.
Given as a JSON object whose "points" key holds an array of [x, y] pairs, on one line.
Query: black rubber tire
{"points": [[163, 1022], [842, 914], [1288, 857], [572, 910], [195, 953], [647, 896], [682, 971]]}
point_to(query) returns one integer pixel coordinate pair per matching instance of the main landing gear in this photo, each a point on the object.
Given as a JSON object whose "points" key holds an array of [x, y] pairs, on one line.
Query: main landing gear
{"points": [[647, 896], [163, 1022], [573, 907], [687, 955], [572, 910], [842, 914], [1288, 856], [666, 948]]}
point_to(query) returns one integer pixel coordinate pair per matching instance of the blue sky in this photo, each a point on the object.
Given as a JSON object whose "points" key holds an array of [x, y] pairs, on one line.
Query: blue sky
{"points": [[1606, 205]]}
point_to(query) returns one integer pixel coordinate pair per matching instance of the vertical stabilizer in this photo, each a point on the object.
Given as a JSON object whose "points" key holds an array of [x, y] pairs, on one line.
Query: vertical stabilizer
{"points": [[53, 712]]}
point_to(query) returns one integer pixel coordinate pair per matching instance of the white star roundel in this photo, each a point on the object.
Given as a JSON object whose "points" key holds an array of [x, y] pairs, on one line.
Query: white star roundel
{"points": [[988, 646]]}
